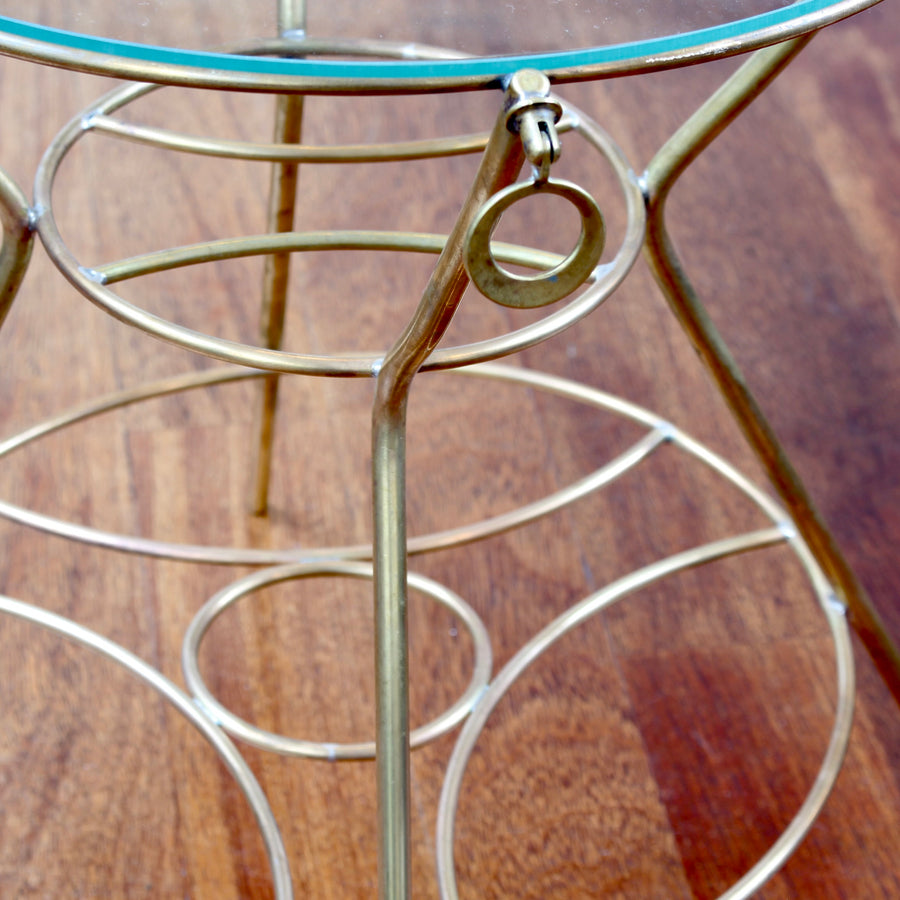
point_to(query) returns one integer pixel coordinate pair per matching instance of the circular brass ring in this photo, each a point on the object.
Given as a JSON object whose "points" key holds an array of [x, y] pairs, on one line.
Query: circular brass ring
{"points": [[95, 283], [532, 291], [330, 750], [228, 755]]}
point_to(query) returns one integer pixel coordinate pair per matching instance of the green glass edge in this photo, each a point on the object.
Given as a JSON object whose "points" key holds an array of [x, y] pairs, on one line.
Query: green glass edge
{"points": [[414, 69]]}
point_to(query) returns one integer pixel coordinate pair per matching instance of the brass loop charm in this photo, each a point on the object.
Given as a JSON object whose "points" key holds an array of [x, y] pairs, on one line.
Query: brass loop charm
{"points": [[532, 291], [541, 166]]}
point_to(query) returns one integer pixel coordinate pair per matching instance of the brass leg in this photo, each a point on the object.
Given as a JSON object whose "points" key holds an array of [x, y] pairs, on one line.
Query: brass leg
{"points": [[282, 202], [18, 239], [502, 160], [694, 136]]}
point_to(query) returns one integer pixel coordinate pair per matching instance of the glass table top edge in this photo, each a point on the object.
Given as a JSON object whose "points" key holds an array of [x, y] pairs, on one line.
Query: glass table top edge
{"points": [[156, 63]]}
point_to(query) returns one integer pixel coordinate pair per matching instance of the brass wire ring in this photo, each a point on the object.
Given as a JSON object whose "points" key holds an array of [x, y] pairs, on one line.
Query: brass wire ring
{"points": [[184, 704], [96, 282], [330, 750], [532, 291]]}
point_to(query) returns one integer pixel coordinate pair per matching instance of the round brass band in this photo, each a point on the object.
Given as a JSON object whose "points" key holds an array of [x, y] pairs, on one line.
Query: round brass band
{"points": [[327, 750], [488, 75], [95, 282], [184, 704], [532, 291]]}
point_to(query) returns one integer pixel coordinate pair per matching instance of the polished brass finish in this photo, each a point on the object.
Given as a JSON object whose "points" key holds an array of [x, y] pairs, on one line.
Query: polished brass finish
{"points": [[349, 153], [229, 755], [788, 841], [697, 133], [533, 114], [329, 750], [526, 129], [781, 532], [234, 556], [95, 281], [17, 228], [532, 291], [500, 164], [291, 16], [659, 434], [341, 81], [282, 203]]}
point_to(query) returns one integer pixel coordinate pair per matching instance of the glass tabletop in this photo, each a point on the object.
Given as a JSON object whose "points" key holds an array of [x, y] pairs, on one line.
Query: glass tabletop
{"points": [[394, 44]]}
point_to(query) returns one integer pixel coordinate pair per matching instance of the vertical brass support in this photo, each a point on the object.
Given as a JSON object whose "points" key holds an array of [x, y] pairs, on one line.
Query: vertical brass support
{"points": [[675, 156], [17, 241], [500, 165], [291, 16], [282, 203]]}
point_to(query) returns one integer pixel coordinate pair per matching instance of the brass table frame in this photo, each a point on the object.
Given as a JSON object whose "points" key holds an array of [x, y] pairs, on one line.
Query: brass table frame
{"points": [[505, 151]]}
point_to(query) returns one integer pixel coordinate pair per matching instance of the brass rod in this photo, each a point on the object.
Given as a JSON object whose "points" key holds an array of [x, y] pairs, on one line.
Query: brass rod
{"points": [[670, 162], [276, 275], [341, 153], [262, 244], [500, 165], [454, 73], [282, 205], [18, 240], [716, 114], [291, 16], [660, 433]]}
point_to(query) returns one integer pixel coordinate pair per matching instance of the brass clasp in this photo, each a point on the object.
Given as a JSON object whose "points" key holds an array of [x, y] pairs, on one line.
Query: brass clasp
{"points": [[532, 113]]}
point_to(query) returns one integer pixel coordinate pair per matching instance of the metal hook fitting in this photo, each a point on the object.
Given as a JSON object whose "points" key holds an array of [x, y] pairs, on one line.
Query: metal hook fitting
{"points": [[532, 291], [532, 113]]}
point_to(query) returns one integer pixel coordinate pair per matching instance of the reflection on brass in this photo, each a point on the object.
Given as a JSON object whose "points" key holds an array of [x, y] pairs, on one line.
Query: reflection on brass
{"points": [[531, 291], [533, 113], [671, 161], [340, 82], [527, 128], [18, 237], [330, 750], [348, 153]]}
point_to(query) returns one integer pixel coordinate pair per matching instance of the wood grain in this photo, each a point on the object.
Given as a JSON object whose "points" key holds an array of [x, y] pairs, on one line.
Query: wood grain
{"points": [[654, 753]]}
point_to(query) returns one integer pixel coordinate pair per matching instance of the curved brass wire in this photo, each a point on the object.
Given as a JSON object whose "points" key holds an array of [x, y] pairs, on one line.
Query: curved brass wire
{"points": [[94, 282], [17, 229], [331, 750], [777, 854], [208, 76], [658, 434], [671, 161], [185, 705], [263, 244], [278, 152]]}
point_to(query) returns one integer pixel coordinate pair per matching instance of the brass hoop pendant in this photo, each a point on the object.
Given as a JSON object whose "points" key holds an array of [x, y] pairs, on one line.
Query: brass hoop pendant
{"points": [[532, 291]]}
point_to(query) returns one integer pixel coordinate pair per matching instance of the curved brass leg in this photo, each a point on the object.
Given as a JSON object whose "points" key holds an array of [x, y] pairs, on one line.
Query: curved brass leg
{"points": [[690, 140], [526, 99], [18, 239]]}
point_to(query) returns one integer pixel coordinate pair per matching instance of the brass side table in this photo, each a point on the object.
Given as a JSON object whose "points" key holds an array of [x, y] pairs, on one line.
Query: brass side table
{"points": [[141, 43]]}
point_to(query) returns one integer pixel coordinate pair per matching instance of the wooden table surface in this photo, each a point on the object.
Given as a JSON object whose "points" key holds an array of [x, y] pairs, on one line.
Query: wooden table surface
{"points": [[656, 752]]}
